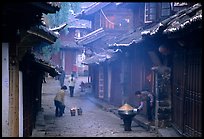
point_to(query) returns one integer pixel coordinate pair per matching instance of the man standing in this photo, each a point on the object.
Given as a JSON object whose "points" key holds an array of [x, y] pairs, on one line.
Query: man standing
{"points": [[62, 76], [71, 82]]}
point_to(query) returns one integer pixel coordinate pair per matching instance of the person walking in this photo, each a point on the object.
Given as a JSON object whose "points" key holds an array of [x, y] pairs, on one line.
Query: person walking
{"points": [[59, 102], [71, 81]]}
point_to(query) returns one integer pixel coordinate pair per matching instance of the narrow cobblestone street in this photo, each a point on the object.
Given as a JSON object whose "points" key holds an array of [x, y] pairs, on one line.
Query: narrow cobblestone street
{"points": [[94, 121]]}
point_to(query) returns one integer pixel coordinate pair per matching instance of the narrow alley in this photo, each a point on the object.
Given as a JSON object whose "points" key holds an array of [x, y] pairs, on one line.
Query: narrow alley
{"points": [[140, 63], [94, 121]]}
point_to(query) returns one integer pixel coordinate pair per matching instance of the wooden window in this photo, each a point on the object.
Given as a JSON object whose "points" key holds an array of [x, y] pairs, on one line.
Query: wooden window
{"points": [[101, 83], [177, 6], [107, 21], [150, 12], [166, 7], [110, 22]]}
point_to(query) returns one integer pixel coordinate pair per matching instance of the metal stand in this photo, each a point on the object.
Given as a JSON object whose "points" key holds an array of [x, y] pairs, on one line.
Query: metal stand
{"points": [[127, 124]]}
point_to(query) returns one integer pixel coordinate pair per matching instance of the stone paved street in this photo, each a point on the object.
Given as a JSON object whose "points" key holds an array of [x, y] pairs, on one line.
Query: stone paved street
{"points": [[94, 121]]}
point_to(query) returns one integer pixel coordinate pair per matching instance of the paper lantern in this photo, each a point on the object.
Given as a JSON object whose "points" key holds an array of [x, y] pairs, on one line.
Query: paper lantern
{"points": [[164, 50]]}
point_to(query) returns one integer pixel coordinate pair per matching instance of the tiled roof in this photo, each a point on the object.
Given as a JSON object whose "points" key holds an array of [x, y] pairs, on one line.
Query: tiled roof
{"points": [[37, 63], [91, 37], [45, 66], [176, 22], [74, 22], [100, 57], [190, 16], [92, 9], [127, 39], [43, 32]]}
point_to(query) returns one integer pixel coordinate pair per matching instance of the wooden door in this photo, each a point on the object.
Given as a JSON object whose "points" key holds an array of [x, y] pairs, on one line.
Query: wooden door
{"points": [[178, 81], [192, 98], [186, 92]]}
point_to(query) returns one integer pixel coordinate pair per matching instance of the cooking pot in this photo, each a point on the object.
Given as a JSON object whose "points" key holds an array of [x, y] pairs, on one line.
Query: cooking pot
{"points": [[126, 109], [126, 113]]}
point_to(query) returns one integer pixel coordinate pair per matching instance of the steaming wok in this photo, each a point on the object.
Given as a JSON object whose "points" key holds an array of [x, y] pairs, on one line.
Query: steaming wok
{"points": [[126, 109]]}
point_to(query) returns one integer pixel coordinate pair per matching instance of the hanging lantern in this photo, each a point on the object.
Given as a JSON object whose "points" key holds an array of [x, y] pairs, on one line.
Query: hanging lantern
{"points": [[164, 50]]}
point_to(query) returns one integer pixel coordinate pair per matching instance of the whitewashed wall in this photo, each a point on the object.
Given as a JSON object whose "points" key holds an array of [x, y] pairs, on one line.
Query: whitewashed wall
{"points": [[5, 89]]}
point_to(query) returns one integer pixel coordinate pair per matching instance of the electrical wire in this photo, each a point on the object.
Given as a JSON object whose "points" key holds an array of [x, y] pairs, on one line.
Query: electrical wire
{"points": [[106, 17]]}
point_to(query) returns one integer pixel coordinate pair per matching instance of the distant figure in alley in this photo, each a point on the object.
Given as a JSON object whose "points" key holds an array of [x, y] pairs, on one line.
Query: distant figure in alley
{"points": [[71, 81], [61, 76]]}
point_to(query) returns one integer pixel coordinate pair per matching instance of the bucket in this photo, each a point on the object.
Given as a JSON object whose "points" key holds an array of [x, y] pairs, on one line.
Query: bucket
{"points": [[79, 111], [73, 112]]}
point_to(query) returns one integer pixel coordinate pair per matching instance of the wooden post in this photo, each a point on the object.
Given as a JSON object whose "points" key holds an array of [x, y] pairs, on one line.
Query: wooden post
{"points": [[155, 83], [14, 97]]}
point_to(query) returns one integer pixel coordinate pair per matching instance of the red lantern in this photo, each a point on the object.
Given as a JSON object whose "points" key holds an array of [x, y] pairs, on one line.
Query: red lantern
{"points": [[164, 50]]}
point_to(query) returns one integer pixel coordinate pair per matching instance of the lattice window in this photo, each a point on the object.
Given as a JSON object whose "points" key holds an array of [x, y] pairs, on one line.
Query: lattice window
{"points": [[150, 12], [166, 7]]}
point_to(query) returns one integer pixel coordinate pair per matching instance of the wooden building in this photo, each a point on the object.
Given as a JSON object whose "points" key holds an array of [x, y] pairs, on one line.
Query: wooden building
{"points": [[69, 55], [104, 32], [115, 28], [151, 46], [181, 35]]}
